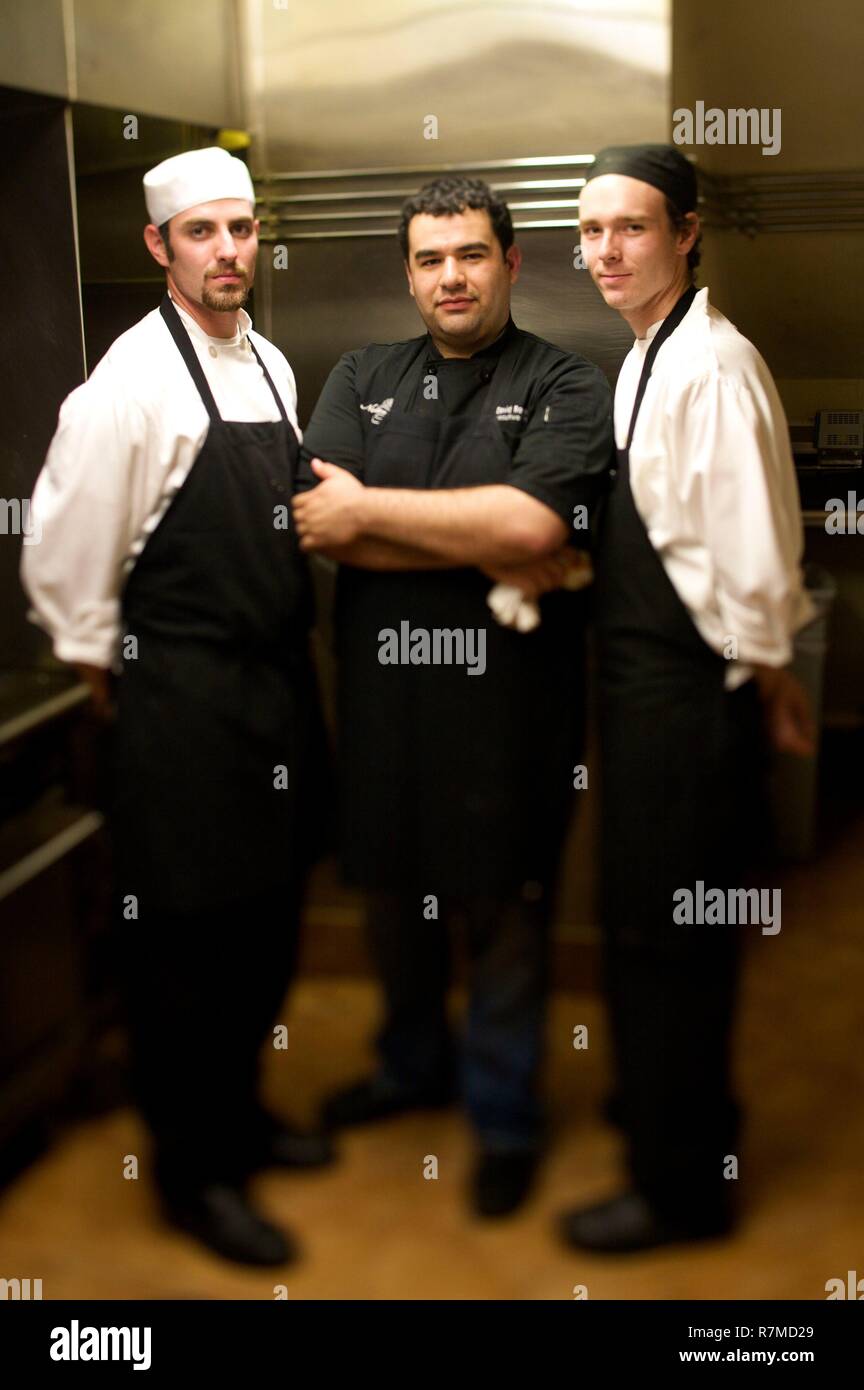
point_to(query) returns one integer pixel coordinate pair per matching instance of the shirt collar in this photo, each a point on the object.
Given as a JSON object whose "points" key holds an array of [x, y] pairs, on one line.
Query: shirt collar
{"points": [[493, 350], [244, 323], [701, 299]]}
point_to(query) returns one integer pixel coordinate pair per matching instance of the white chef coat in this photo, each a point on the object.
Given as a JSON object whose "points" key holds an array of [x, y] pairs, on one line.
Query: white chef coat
{"points": [[125, 443], [713, 480]]}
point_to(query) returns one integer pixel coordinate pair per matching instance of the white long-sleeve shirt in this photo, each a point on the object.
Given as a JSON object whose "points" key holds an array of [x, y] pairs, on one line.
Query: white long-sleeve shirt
{"points": [[713, 480], [125, 443]]}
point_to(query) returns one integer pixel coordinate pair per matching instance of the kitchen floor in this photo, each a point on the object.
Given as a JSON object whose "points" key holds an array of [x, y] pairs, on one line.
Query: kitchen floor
{"points": [[373, 1227]]}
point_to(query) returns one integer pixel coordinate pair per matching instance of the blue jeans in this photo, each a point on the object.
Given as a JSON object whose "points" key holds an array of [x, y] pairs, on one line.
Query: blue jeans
{"points": [[508, 949]]}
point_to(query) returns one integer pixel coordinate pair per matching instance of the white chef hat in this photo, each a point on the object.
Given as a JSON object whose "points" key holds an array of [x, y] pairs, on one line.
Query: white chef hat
{"points": [[198, 176]]}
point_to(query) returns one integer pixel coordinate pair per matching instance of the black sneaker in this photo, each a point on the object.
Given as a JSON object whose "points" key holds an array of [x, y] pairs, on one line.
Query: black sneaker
{"points": [[377, 1098], [628, 1223], [502, 1180], [221, 1217]]}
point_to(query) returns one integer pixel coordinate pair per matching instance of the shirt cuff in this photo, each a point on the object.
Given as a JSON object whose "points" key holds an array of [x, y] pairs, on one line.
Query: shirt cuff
{"points": [[765, 635], [92, 652]]}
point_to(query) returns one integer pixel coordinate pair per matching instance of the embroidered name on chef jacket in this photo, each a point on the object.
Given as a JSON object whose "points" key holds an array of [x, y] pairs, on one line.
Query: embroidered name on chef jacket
{"points": [[509, 412]]}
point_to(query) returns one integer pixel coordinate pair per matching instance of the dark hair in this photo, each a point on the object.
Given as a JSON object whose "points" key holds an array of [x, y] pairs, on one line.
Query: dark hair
{"points": [[680, 224], [163, 232], [442, 197]]}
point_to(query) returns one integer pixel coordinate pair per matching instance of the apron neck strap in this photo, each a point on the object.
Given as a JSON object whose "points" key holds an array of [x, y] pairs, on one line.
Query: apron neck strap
{"points": [[666, 329], [269, 380], [196, 371], [187, 352]]}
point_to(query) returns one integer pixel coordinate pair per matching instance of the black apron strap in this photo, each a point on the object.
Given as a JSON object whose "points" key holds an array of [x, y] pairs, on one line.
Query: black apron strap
{"points": [[667, 327], [187, 352], [196, 371], [269, 380]]}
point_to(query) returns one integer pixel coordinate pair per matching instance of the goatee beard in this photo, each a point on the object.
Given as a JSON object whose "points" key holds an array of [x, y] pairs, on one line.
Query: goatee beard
{"points": [[224, 300]]}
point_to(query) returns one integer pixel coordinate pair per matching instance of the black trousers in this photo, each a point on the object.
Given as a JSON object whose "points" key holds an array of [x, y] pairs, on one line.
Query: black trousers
{"points": [[203, 992], [682, 803]]}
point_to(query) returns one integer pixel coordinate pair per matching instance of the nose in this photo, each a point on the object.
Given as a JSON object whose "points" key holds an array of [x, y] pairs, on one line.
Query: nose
{"points": [[226, 247], [608, 249], [452, 272]]}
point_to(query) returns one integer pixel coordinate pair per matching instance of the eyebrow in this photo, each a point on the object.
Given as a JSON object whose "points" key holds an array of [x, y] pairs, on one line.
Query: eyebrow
{"points": [[460, 250], [207, 222]]}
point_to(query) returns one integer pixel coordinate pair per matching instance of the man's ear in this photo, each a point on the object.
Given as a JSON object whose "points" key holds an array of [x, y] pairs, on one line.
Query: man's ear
{"points": [[410, 281], [688, 237], [155, 245], [514, 260]]}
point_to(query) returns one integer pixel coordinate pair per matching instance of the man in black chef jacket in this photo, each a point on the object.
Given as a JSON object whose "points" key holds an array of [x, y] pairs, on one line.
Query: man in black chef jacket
{"points": [[445, 462], [167, 554], [698, 596]]}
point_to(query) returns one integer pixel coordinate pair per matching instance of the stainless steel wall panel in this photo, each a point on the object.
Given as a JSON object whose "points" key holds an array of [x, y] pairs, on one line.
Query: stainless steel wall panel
{"points": [[33, 49], [160, 58], [148, 57], [352, 83]]}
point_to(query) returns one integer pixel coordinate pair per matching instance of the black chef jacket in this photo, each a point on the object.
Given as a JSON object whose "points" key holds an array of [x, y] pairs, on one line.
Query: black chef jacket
{"points": [[450, 782]]}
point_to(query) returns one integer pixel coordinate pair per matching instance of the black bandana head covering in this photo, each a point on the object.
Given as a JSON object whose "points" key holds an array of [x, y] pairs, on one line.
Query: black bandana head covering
{"points": [[662, 166]]}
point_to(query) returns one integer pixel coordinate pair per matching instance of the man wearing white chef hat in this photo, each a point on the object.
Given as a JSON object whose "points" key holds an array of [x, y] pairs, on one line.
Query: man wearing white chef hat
{"points": [[169, 575]]}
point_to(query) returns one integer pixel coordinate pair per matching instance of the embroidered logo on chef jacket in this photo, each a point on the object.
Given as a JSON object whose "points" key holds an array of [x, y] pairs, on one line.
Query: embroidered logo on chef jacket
{"points": [[509, 412], [378, 410]]}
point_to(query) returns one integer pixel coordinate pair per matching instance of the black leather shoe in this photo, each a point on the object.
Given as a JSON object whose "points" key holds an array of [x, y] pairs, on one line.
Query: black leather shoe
{"points": [[501, 1180], [288, 1147], [628, 1223], [221, 1217], [377, 1098]]}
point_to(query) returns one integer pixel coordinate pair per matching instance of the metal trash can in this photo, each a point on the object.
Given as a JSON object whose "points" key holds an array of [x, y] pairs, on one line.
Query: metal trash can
{"points": [[793, 781]]}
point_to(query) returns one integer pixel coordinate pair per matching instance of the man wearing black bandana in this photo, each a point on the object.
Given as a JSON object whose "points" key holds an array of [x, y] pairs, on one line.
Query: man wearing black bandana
{"points": [[699, 594]]}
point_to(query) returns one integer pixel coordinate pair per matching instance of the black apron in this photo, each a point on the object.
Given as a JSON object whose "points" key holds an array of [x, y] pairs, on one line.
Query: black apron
{"points": [[220, 695], [680, 759], [452, 782], [664, 706]]}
